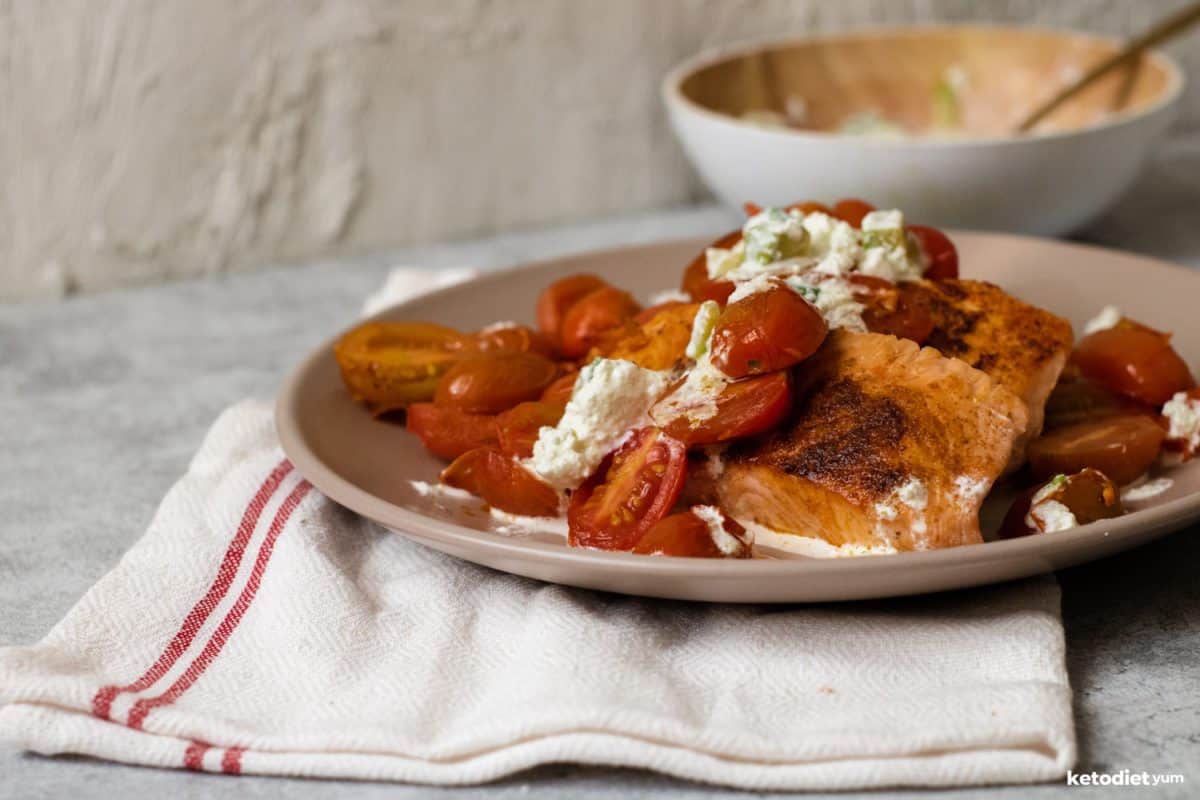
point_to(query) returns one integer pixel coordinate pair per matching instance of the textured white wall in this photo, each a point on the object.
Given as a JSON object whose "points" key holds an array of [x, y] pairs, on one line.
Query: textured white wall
{"points": [[146, 139]]}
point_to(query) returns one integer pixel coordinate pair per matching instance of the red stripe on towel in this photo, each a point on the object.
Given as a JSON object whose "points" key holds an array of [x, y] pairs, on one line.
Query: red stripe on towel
{"points": [[231, 762], [142, 708], [193, 757], [103, 699]]}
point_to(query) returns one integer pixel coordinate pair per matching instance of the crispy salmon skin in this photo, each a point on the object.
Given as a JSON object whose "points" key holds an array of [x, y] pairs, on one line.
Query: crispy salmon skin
{"points": [[889, 444]]}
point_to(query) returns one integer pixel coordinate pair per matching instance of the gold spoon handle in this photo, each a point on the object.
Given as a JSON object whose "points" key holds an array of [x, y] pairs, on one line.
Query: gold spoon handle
{"points": [[1168, 28]]}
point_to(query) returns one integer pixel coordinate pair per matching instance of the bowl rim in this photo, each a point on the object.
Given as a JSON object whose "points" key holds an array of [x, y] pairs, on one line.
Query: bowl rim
{"points": [[674, 98]]}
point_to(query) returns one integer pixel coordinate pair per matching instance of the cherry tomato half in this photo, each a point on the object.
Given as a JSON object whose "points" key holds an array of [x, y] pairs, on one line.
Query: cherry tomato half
{"points": [[744, 408], [1134, 361], [1088, 494], [449, 432], [887, 310], [941, 253], [696, 282], [594, 315], [1121, 447], [511, 339], [489, 384], [557, 298], [852, 210], [752, 209], [501, 482], [1076, 399], [766, 332], [388, 365], [518, 427], [634, 488], [559, 392], [689, 536]]}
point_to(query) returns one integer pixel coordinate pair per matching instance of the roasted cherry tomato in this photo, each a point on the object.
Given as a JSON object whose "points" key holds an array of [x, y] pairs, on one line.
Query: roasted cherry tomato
{"points": [[1088, 494], [557, 298], [389, 365], [940, 252], [744, 408], [660, 341], [689, 536], [489, 384], [696, 282], [1076, 399], [448, 432], [852, 210], [634, 488], [511, 339], [766, 332], [519, 426], [501, 482], [1135, 361], [887, 310], [1121, 447], [592, 317], [751, 209], [559, 392]]}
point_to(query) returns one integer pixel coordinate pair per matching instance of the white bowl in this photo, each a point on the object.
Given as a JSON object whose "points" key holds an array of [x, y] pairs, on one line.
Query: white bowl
{"points": [[1050, 181]]}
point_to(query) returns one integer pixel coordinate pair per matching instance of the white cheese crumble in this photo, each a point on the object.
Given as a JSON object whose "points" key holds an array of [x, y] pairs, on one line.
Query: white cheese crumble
{"points": [[503, 325], [833, 242], [1108, 317], [968, 490], [810, 546], [669, 296], [518, 525], [773, 235], [834, 298], [1144, 491], [611, 397], [725, 541], [883, 220], [696, 397], [913, 494], [718, 261], [1183, 420], [440, 491], [702, 329], [1050, 516]]}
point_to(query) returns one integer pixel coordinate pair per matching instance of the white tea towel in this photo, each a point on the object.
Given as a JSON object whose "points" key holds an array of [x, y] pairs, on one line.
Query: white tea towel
{"points": [[259, 628]]}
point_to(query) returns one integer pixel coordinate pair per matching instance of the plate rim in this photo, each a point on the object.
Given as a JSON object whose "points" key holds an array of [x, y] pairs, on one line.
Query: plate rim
{"points": [[1145, 522]]}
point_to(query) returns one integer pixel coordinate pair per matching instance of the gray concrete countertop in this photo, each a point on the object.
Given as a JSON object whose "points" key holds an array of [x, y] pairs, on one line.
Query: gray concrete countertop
{"points": [[103, 400]]}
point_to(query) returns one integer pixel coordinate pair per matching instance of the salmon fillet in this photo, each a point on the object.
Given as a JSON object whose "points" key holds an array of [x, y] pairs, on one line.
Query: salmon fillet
{"points": [[889, 444], [1022, 347]]}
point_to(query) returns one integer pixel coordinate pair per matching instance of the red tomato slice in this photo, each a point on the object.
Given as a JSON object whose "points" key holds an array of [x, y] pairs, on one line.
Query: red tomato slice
{"points": [[557, 298], [852, 210], [766, 332], [595, 315], [744, 408], [1089, 495], [688, 536], [448, 432], [696, 282], [634, 488], [939, 250], [1134, 361], [518, 427], [501, 482], [1121, 447]]}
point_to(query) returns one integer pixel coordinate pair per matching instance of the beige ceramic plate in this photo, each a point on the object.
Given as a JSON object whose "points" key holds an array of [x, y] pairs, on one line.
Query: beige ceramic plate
{"points": [[368, 465]]}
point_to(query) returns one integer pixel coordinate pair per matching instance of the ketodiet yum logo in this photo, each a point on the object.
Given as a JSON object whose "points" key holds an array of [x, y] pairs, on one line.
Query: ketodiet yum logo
{"points": [[1123, 777]]}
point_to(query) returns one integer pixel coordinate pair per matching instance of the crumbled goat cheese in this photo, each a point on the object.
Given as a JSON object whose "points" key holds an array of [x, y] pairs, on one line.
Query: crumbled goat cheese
{"points": [[759, 283], [725, 541], [773, 235], [1050, 516], [669, 296], [696, 397], [1108, 317], [968, 489], [500, 326], [883, 220], [1183, 418], [1144, 491], [833, 242], [611, 397], [718, 261], [835, 299]]}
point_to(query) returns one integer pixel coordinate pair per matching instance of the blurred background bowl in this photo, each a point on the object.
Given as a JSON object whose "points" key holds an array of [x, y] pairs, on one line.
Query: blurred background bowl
{"points": [[764, 123]]}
